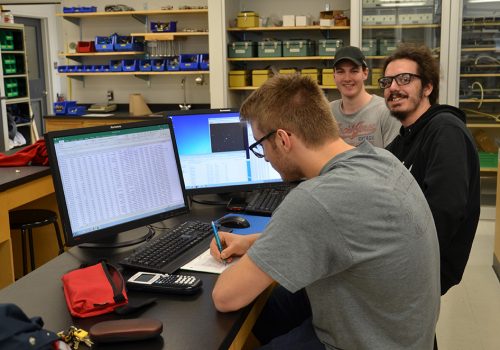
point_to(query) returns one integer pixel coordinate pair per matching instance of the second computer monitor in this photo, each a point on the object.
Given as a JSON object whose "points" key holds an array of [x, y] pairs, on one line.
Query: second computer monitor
{"points": [[214, 155]]}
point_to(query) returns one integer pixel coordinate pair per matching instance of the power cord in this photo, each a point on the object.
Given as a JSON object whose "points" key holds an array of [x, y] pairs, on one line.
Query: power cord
{"points": [[482, 92]]}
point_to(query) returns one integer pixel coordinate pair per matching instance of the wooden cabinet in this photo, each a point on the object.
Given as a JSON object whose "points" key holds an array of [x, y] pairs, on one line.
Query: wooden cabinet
{"points": [[14, 89]]}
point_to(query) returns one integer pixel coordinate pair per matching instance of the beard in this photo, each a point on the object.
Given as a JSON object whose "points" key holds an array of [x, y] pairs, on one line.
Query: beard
{"points": [[414, 102], [288, 171], [401, 116]]}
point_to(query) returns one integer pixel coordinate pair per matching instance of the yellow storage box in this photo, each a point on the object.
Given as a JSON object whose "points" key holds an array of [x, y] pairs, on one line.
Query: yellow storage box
{"points": [[259, 76], [376, 74], [247, 19], [312, 72], [288, 71], [239, 78], [327, 75]]}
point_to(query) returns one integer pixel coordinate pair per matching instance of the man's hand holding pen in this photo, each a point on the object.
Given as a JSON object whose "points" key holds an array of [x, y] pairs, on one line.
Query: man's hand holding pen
{"points": [[232, 245]]}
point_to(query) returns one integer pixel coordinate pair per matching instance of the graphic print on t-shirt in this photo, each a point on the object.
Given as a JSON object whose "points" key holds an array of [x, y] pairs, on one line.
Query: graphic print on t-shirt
{"points": [[355, 133]]}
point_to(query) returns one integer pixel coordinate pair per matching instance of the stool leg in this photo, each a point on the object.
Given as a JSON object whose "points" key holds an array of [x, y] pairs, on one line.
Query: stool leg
{"points": [[59, 239], [32, 253], [25, 260]]}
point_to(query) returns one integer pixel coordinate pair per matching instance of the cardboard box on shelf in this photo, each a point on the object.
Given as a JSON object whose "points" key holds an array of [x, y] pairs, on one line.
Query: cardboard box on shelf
{"points": [[302, 21], [288, 20], [327, 18]]}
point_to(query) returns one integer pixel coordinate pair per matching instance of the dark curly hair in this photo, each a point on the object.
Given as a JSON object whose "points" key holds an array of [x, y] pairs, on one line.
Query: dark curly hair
{"points": [[428, 65]]}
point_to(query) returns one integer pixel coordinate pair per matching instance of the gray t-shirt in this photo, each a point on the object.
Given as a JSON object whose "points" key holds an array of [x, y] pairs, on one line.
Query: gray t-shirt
{"points": [[361, 239], [372, 123]]}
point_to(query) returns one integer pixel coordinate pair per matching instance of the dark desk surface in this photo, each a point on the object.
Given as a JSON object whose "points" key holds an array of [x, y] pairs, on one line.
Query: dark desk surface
{"points": [[189, 322], [14, 176]]}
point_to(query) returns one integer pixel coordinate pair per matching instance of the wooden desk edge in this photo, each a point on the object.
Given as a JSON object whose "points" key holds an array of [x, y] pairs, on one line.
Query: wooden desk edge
{"points": [[10, 199], [246, 329]]}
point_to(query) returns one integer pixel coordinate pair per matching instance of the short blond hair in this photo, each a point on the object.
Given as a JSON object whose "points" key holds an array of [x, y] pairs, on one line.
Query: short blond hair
{"points": [[294, 103]]}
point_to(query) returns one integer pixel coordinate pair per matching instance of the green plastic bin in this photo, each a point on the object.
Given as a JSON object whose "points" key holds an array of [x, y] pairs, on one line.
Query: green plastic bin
{"points": [[11, 87], [329, 47], [9, 64], [270, 48], [298, 48], [242, 49], [6, 40]]}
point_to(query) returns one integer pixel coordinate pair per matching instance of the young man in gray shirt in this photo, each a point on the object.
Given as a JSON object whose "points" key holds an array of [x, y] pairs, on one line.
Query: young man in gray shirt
{"points": [[360, 115], [355, 244]]}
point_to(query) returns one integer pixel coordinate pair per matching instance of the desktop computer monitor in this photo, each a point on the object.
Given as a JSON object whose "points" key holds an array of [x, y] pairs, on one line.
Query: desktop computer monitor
{"points": [[115, 178], [214, 155]]}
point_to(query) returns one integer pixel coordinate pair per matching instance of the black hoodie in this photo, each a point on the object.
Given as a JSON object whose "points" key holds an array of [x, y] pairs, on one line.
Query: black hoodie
{"points": [[440, 152]]}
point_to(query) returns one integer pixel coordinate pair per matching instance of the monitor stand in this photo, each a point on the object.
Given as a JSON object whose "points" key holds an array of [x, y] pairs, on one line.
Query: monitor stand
{"points": [[119, 242]]}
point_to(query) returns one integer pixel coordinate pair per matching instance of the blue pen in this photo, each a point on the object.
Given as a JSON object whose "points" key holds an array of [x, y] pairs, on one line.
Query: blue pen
{"points": [[217, 239]]}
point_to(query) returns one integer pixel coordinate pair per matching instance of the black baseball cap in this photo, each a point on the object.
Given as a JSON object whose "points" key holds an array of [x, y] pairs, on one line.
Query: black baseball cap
{"points": [[352, 54]]}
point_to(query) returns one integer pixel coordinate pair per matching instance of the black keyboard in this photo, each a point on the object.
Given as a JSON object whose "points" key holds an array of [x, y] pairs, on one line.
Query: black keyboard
{"points": [[172, 249], [265, 200]]}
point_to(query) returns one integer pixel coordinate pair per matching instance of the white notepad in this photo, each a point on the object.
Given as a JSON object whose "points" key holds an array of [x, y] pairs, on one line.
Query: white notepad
{"points": [[206, 263]]}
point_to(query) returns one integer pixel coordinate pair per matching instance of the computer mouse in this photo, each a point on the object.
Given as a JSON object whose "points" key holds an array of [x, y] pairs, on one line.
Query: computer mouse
{"points": [[234, 221]]}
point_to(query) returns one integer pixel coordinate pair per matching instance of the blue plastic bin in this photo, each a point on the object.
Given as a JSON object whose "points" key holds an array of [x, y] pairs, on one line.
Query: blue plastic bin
{"points": [[69, 9], [145, 65], [173, 64], [71, 68], [115, 66], [61, 108], [89, 68], [189, 61], [158, 65], [76, 110], [102, 68], [88, 9], [127, 43], [163, 27], [130, 65], [80, 68], [62, 69], [204, 61], [105, 43]]}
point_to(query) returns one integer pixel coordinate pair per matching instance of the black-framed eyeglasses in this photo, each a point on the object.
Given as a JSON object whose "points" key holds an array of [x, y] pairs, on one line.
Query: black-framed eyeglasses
{"points": [[257, 148], [401, 79]]}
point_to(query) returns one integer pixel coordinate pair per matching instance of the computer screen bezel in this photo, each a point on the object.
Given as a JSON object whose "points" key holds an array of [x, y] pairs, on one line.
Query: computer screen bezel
{"points": [[113, 231], [225, 188]]}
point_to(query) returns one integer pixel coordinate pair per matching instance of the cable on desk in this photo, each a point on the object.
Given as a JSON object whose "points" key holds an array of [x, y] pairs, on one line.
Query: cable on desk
{"points": [[158, 228]]}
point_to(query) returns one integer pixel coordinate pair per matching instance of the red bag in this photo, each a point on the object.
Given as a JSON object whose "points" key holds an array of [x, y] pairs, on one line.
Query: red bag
{"points": [[94, 290]]}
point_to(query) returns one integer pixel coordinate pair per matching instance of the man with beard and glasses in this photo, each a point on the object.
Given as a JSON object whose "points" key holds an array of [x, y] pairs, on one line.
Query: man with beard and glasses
{"points": [[353, 248], [360, 115], [438, 149]]}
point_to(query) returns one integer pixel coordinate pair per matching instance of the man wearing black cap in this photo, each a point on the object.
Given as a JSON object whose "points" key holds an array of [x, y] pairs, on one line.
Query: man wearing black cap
{"points": [[360, 115]]}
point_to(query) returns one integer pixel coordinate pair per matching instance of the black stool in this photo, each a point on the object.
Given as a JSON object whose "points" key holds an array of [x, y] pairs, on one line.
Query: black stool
{"points": [[26, 220]]}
